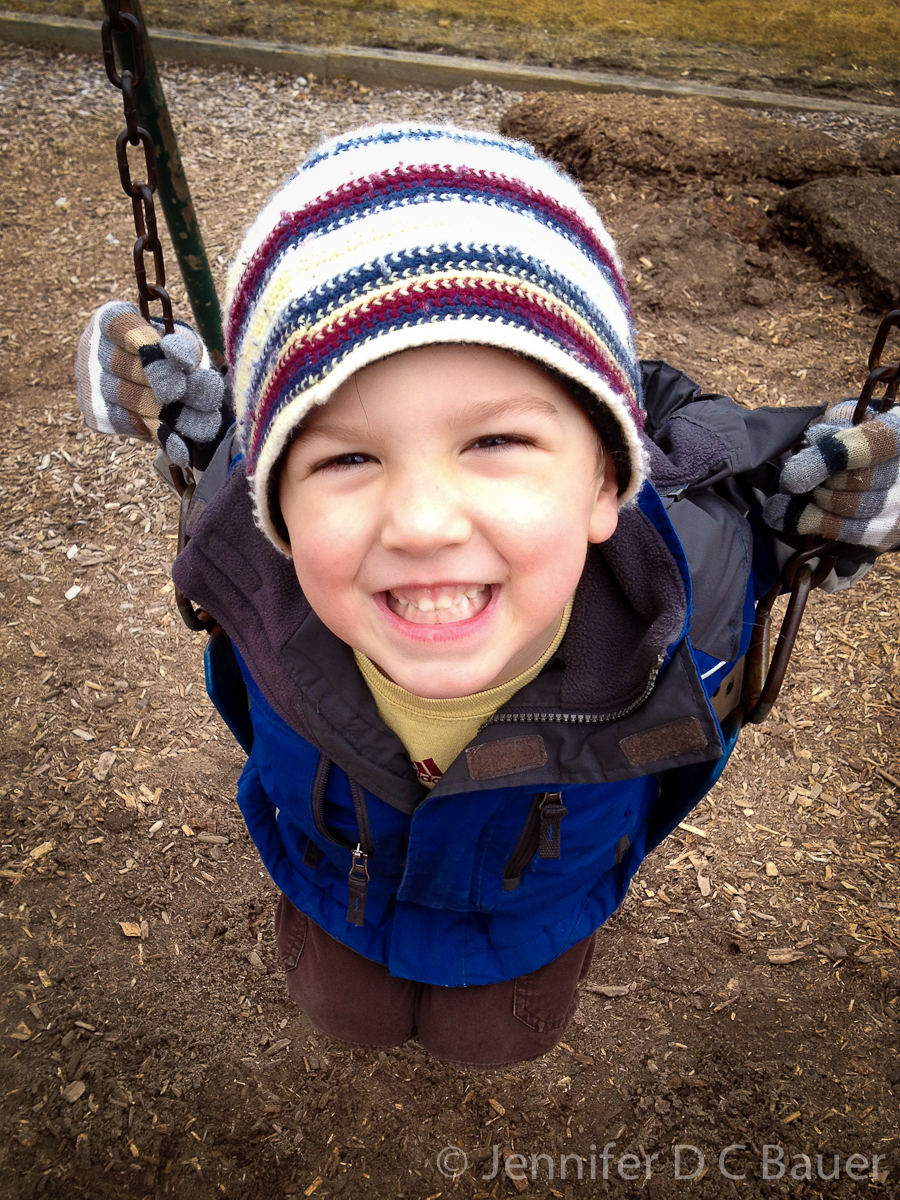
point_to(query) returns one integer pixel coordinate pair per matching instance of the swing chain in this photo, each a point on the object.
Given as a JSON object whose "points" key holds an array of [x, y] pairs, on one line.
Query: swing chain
{"points": [[799, 575], [888, 376], [147, 243]]}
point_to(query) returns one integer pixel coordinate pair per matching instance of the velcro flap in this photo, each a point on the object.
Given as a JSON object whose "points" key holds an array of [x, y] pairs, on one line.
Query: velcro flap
{"points": [[510, 756], [665, 741]]}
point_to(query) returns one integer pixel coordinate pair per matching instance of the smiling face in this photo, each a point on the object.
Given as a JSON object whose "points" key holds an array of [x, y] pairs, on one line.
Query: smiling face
{"points": [[439, 509]]}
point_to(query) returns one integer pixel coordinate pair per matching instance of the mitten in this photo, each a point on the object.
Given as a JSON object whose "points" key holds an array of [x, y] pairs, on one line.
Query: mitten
{"points": [[845, 484], [135, 379]]}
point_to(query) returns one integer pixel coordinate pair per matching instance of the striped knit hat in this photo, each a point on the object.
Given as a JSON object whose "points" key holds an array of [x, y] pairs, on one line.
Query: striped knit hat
{"points": [[398, 236]]}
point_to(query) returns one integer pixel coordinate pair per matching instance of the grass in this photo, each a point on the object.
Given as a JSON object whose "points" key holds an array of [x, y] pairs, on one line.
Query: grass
{"points": [[851, 35], [861, 31]]}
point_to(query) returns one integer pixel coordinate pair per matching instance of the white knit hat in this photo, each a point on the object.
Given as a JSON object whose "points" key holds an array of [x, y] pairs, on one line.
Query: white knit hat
{"points": [[398, 236]]}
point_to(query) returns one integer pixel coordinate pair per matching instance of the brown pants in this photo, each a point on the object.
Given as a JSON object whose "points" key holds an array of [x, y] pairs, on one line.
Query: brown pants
{"points": [[355, 1000]]}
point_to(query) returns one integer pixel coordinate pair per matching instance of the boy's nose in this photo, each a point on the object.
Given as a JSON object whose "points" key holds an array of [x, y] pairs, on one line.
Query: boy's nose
{"points": [[422, 515]]}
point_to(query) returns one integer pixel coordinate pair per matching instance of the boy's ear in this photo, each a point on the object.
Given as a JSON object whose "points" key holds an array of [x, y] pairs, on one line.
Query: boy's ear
{"points": [[605, 515]]}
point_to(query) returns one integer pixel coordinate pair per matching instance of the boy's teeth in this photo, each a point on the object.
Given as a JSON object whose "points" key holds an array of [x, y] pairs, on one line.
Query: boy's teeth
{"points": [[439, 605]]}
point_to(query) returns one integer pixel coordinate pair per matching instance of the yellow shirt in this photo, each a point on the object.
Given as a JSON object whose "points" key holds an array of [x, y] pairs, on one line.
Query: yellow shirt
{"points": [[435, 732]]}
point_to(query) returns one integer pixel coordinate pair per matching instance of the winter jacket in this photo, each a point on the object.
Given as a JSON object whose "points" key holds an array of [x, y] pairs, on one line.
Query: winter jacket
{"points": [[528, 841]]}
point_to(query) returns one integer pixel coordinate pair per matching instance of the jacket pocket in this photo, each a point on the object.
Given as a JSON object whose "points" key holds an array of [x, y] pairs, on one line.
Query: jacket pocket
{"points": [[541, 833]]}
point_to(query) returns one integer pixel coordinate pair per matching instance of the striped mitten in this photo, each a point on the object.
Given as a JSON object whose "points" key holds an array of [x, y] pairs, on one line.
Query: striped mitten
{"points": [[135, 379], [846, 483]]}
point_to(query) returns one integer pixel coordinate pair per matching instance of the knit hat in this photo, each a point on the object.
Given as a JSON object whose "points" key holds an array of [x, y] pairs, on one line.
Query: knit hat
{"points": [[398, 236]]}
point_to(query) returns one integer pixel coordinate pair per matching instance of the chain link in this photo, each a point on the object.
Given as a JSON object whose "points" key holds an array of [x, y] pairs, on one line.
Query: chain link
{"points": [[147, 244]]}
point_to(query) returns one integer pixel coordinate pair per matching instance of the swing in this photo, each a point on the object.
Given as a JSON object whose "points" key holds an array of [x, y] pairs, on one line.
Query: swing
{"points": [[757, 678]]}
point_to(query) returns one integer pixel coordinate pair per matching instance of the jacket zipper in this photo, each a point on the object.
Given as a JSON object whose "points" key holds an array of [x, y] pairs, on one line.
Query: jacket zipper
{"points": [[541, 833], [358, 878], [581, 718]]}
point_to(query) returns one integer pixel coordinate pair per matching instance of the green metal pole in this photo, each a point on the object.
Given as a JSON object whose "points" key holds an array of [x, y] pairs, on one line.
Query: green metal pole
{"points": [[178, 207]]}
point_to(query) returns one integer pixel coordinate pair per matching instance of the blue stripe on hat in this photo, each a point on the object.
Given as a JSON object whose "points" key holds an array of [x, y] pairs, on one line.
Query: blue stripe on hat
{"points": [[396, 135], [407, 196], [440, 311], [422, 262]]}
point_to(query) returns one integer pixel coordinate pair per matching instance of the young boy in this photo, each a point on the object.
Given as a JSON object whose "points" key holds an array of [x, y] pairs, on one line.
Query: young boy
{"points": [[478, 644]]}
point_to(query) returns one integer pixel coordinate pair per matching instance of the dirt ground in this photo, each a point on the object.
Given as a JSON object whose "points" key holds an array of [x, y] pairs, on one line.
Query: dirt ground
{"points": [[743, 1011]]}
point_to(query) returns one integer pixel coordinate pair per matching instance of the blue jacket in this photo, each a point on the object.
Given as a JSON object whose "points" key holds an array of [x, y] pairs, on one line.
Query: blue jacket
{"points": [[528, 842]]}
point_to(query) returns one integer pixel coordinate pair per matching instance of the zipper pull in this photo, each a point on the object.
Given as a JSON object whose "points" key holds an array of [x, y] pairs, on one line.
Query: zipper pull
{"points": [[358, 884], [552, 812]]}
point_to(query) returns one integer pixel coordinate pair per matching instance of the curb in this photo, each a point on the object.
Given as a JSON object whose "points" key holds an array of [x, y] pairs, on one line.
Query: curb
{"points": [[397, 68]]}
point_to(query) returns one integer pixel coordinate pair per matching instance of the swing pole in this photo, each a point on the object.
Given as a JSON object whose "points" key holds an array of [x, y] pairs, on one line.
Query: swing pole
{"points": [[178, 207]]}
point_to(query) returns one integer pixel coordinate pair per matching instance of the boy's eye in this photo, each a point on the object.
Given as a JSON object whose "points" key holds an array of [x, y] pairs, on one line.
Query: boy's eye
{"points": [[496, 441], [344, 460]]}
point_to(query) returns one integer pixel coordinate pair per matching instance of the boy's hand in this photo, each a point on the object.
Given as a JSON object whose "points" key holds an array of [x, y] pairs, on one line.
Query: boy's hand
{"points": [[846, 484], [136, 380]]}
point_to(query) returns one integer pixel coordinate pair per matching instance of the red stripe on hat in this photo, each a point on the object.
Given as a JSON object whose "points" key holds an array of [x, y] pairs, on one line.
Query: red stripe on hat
{"points": [[392, 187], [416, 302]]}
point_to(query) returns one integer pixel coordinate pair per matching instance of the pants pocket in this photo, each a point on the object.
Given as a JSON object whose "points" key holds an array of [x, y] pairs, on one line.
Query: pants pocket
{"points": [[291, 932]]}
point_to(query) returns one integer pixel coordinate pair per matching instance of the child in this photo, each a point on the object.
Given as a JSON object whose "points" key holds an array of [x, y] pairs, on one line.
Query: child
{"points": [[478, 645]]}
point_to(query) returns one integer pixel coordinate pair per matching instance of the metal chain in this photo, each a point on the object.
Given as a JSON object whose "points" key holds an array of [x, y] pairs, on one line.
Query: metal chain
{"points": [[879, 375], [762, 684], [147, 243]]}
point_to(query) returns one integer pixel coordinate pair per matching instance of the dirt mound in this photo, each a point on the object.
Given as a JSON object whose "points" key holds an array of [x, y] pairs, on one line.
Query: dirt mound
{"points": [[882, 153], [854, 227], [601, 138], [746, 182]]}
